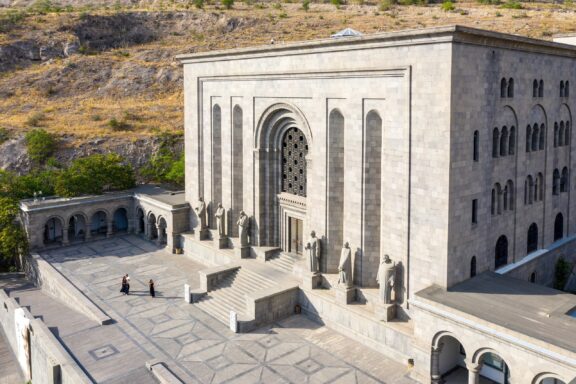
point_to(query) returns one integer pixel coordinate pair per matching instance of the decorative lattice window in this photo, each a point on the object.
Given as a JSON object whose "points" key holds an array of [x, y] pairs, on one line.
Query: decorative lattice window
{"points": [[294, 150]]}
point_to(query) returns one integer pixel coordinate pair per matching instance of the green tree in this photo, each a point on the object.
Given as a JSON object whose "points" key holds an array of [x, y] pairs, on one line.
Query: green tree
{"points": [[13, 241], [228, 4], [94, 175], [40, 145], [306, 5], [177, 172]]}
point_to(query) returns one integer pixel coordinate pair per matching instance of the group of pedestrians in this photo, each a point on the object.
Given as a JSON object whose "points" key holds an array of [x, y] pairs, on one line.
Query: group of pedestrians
{"points": [[126, 286]]}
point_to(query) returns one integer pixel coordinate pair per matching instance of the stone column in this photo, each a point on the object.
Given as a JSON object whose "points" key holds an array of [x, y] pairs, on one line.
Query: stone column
{"points": [[109, 230], [65, 240], [159, 236], [473, 372], [435, 376]]}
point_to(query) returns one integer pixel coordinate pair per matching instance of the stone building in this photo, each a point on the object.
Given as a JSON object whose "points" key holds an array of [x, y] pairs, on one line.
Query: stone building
{"points": [[448, 149]]}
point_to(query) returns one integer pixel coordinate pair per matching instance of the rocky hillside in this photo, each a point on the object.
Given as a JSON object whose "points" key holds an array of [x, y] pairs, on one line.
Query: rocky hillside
{"points": [[101, 74]]}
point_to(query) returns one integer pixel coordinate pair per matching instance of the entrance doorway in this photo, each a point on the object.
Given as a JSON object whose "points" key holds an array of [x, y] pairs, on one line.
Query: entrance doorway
{"points": [[295, 236]]}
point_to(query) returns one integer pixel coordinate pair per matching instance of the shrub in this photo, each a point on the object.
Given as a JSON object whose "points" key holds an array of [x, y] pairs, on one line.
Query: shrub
{"points": [[199, 4], [94, 175], [177, 172], [562, 273], [511, 4], [40, 145], [4, 135], [118, 125], [385, 5], [336, 3], [306, 5], [43, 7], [492, 2], [413, 2], [10, 19], [447, 6], [277, 6], [228, 4], [283, 15], [35, 119], [13, 241]]}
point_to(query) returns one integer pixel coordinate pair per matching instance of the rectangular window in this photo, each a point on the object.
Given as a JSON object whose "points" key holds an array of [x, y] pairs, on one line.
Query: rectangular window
{"points": [[475, 211]]}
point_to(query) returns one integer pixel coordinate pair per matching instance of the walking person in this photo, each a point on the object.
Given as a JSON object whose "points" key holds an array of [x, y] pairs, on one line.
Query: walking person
{"points": [[127, 284], [124, 282], [152, 291]]}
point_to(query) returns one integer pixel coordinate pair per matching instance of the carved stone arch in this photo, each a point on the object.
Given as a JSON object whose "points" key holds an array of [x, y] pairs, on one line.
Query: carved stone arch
{"points": [[58, 217], [477, 355], [438, 336], [92, 212], [538, 115], [547, 375], [78, 213], [270, 126]]}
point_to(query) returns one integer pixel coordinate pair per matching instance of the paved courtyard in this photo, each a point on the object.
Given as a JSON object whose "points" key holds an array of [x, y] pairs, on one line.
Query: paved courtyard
{"points": [[196, 347]]}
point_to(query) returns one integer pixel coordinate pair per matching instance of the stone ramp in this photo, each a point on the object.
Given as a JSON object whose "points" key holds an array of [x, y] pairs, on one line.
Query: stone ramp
{"points": [[9, 369]]}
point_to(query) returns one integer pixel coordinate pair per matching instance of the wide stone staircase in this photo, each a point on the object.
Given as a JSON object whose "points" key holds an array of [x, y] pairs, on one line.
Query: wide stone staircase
{"points": [[283, 261], [230, 294]]}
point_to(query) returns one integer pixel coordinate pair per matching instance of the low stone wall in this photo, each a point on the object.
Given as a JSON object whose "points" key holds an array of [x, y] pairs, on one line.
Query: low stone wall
{"points": [[393, 340], [51, 281], [51, 363], [203, 252], [269, 305], [542, 262], [210, 277]]}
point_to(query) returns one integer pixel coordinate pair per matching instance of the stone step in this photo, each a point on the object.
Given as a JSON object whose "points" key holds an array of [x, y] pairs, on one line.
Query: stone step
{"points": [[258, 277], [251, 283], [213, 310]]}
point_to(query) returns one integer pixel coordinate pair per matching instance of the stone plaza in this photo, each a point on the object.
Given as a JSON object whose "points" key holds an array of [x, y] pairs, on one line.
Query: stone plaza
{"points": [[383, 208]]}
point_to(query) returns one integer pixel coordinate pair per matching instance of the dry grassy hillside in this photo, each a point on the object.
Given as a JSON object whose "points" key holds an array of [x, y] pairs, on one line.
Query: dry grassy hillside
{"points": [[109, 71]]}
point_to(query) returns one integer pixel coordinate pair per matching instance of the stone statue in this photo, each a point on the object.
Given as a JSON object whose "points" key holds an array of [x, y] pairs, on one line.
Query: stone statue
{"points": [[314, 251], [220, 216], [345, 267], [201, 212], [386, 274], [243, 228]]}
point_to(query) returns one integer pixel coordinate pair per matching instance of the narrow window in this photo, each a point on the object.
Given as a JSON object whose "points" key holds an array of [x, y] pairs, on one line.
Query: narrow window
{"points": [[530, 189], [564, 180], [512, 141], [526, 192], [510, 186], [561, 134], [533, 277], [555, 182], [541, 88], [535, 88], [493, 202], [532, 241], [535, 137], [528, 137], [558, 227], [561, 88], [542, 137], [555, 134], [504, 141], [475, 211], [511, 87], [501, 252], [503, 89], [473, 266], [476, 153], [567, 89], [495, 142], [505, 197], [498, 199], [567, 134], [540, 186]]}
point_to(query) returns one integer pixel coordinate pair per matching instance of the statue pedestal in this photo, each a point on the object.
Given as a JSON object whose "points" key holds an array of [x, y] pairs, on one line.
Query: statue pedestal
{"points": [[312, 280], [345, 295], [202, 234], [220, 243], [242, 252], [385, 312]]}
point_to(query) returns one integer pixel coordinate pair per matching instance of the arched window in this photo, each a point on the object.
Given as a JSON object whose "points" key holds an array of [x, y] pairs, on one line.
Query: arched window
{"points": [[476, 149], [555, 134], [564, 180], [528, 137], [510, 187], [532, 241], [498, 198], [561, 134], [533, 277], [510, 87], [512, 141], [473, 266], [567, 134], [535, 88], [493, 202], [495, 142], [567, 89], [526, 191], [504, 141], [541, 88], [505, 197], [542, 138], [530, 181], [556, 182], [535, 137], [501, 252], [294, 151], [561, 88], [558, 227], [503, 88], [540, 189]]}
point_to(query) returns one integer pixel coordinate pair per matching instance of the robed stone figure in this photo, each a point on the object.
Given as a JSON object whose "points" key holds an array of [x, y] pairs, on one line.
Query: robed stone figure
{"points": [[314, 249], [201, 212], [386, 274], [345, 267], [220, 216], [243, 228]]}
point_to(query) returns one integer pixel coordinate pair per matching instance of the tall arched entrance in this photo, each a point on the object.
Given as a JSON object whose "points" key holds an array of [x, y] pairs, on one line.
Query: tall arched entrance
{"points": [[99, 224], [448, 362], [77, 228], [282, 142], [53, 231], [152, 229], [120, 223], [501, 252], [494, 367]]}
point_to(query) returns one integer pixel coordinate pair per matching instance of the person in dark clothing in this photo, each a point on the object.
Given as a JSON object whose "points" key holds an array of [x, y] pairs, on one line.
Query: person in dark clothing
{"points": [[127, 291], [152, 291], [124, 282]]}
